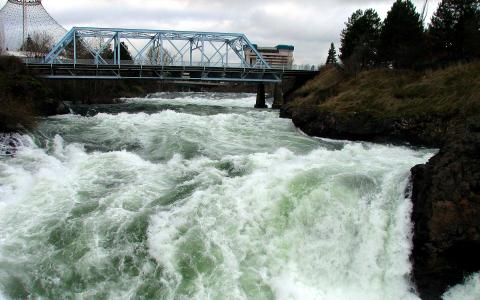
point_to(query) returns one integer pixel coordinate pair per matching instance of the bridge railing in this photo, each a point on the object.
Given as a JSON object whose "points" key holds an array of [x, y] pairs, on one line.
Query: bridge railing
{"points": [[111, 62]]}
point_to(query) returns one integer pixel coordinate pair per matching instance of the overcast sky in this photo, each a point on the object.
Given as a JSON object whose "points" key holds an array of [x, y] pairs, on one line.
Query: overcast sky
{"points": [[309, 25]]}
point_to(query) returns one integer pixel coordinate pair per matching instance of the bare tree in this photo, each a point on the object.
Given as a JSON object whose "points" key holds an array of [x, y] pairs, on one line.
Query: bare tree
{"points": [[154, 56], [37, 45], [2, 38]]}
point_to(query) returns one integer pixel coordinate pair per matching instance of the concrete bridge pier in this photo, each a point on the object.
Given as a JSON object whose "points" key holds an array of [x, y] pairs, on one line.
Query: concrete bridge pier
{"points": [[261, 97], [277, 96]]}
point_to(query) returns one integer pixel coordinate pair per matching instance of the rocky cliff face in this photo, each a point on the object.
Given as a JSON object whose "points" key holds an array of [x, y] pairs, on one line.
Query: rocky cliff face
{"points": [[446, 197]]}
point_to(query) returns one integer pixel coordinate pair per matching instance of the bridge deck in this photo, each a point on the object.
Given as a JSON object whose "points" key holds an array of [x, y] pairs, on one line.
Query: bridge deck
{"points": [[166, 73]]}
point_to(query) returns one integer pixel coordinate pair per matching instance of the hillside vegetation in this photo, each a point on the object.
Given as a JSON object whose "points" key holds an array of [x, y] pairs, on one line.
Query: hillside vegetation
{"points": [[448, 92], [424, 107]]}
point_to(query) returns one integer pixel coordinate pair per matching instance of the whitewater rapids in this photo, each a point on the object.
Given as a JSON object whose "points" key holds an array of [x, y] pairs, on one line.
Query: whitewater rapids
{"points": [[198, 196]]}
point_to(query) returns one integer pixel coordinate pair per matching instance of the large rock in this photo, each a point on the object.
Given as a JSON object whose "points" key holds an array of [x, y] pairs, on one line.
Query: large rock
{"points": [[446, 197], [51, 107], [425, 130]]}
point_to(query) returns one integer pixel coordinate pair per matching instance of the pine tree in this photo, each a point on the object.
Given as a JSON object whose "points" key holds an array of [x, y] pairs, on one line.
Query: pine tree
{"points": [[28, 45], [360, 38], [108, 53], [332, 55], [454, 32], [124, 53], [402, 39]]}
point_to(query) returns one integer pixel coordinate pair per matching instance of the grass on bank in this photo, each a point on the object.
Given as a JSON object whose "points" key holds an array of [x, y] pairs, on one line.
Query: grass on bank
{"points": [[451, 91]]}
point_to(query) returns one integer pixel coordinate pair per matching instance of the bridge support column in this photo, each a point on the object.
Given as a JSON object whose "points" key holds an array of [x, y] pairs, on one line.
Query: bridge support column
{"points": [[278, 96], [261, 96]]}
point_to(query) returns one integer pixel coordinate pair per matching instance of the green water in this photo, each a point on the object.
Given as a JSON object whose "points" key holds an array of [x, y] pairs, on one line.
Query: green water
{"points": [[199, 196]]}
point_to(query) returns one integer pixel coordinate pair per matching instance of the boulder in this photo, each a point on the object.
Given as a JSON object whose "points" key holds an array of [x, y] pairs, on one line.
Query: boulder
{"points": [[446, 214]]}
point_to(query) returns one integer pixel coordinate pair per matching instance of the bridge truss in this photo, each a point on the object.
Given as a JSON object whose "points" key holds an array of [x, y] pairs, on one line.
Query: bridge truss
{"points": [[113, 53]]}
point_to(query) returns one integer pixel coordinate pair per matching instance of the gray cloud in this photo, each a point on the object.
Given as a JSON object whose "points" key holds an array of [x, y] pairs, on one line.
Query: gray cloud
{"points": [[309, 25]]}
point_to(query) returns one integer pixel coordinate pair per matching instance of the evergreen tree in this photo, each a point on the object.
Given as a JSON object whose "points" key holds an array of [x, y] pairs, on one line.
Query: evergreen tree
{"points": [[332, 55], [402, 38], [124, 53], [455, 30], [360, 38], [28, 45], [109, 54], [81, 50]]}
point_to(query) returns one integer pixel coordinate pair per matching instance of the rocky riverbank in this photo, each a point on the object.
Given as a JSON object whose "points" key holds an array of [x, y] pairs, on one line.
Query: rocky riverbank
{"points": [[446, 197], [438, 109], [23, 98]]}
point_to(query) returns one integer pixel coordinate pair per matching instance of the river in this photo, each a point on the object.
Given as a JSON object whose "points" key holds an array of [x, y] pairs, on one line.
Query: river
{"points": [[199, 196]]}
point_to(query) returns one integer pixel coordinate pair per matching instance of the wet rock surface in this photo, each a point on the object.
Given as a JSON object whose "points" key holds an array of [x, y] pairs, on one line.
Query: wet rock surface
{"points": [[446, 197], [426, 130]]}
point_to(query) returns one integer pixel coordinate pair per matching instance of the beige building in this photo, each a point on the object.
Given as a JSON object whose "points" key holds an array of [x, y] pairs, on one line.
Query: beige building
{"points": [[277, 57]]}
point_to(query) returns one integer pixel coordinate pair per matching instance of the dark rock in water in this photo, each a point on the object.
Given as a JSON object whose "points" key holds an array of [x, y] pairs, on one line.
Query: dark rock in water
{"points": [[425, 130], [446, 197], [10, 143], [51, 107]]}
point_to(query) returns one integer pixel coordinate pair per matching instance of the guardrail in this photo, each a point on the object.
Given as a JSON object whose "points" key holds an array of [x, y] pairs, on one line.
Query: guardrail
{"points": [[110, 62]]}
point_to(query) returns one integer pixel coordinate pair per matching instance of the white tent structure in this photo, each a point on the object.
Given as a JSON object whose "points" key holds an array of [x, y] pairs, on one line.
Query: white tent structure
{"points": [[2, 38], [24, 18]]}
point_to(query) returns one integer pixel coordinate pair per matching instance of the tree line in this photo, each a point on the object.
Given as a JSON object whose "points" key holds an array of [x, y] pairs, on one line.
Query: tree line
{"points": [[402, 41]]}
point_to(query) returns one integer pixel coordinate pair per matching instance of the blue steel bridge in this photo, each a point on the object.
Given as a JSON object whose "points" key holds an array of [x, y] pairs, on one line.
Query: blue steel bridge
{"points": [[98, 53]]}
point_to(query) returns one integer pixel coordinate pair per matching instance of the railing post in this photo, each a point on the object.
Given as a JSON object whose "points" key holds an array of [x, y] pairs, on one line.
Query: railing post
{"points": [[226, 53], [162, 58], [203, 51], [75, 48], [117, 52], [191, 52]]}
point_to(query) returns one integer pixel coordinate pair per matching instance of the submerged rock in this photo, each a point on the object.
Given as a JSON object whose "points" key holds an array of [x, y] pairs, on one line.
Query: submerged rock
{"points": [[10, 143]]}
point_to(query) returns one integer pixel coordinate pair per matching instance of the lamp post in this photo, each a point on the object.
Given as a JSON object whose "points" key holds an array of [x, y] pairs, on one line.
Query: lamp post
{"points": [[24, 20]]}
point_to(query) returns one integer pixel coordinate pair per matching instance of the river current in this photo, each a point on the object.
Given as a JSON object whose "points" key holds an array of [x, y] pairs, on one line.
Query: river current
{"points": [[199, 196]]}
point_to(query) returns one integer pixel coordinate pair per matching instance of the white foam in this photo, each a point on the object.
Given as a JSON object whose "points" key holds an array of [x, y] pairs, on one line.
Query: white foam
{"points": [[334, 245], [244, 100], [258, 210], [470, 290], [11, 142]]}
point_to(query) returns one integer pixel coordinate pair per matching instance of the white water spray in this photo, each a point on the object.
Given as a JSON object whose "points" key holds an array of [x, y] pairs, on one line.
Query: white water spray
{"points": [[202, 199]]}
